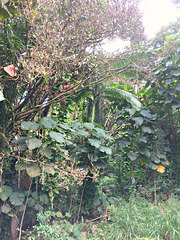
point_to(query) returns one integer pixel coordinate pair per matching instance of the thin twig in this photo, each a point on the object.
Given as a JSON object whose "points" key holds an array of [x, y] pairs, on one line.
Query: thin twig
{"points": [[22, 219], [81, 201]]}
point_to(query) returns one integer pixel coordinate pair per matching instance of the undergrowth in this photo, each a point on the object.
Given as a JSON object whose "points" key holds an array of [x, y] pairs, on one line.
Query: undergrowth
{"points": [[136, 219]]}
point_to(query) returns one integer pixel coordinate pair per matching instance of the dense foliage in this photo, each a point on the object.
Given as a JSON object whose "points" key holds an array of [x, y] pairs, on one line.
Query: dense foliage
{"points": [[80, 128]]}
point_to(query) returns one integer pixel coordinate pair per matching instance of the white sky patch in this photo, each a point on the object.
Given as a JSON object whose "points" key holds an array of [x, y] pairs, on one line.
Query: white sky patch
{"points": [[156, 14]]}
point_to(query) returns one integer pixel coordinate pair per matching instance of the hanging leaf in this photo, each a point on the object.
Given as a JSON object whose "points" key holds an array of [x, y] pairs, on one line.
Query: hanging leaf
{"points": [[160, 169], [116, 95], [44, 198], [132, 155], [17, 198], [26, 125], [1, 96], [57, 136], [6, 192], [107, 150], [48, 122], [94, 142], [5, 208], [33, 170], [33, 143]]}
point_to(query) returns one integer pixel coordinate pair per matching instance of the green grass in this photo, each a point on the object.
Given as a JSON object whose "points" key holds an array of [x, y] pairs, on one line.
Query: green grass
{"points": [[136, 219], [140, 220]]}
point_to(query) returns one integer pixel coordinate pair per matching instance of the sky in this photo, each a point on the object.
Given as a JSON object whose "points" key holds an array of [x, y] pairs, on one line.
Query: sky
{"points": [[156, 14]]}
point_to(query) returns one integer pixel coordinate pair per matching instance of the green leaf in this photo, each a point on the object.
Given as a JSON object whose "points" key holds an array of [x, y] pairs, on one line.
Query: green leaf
{"points": [[20, 208], [17, 198], [44, 198], [39, 207], [33, 143], [116, 95], [82, 133], [138, 120], [143, 139], [96, 202], [48, 122], [26, 125], [94, 142], [46, 151], [177, 87], [160, 155], [65, 127], [105, 149], [57, 136], [1, 96], [59, 214], [35, 195], [132, 155], [145, 152], [131, 111], [146, 129], [175, 73], [68, 214], [155, 159], [20, 166], [6, 192], [146, 113], [31, 202], [89, 125], [5, 208], [49, 169], [152, 166], [33, 170]]}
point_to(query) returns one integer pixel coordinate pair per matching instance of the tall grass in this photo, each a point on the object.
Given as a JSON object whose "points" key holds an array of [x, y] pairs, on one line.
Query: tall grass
{"points": [[140, 220]]}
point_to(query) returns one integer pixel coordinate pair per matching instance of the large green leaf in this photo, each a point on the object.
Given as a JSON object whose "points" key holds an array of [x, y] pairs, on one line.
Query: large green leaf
{"points": [[57, 136], [44, 198], [26, 125], [132, 155], [147, 129], [6, 192], [17, 198], [48, 122], [138, 120], [116, 95], [20, 166], [33, 143], [33, 170], [105, 149], [94, 142], [145, 151]]}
